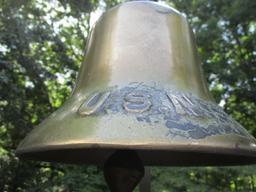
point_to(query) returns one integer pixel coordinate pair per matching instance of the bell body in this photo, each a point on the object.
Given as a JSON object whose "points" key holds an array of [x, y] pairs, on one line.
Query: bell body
{"points": [[141, 88]]}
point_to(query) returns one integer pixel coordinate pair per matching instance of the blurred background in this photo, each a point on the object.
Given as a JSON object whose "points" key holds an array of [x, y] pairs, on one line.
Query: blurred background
{"points": [[41, 50]]}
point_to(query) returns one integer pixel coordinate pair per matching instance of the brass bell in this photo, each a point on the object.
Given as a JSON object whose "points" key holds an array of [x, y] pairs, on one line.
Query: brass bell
{"points": [[141, 89]]}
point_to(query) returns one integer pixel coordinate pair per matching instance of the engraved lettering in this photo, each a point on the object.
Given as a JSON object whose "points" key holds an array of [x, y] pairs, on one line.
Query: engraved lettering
{"points": [[153, 105], [137, 102], [93, 103], [183, 105], [195, 110]]}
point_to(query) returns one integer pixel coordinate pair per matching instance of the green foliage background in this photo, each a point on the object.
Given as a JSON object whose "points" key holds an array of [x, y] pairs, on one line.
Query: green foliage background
{"points": [[41, 49]]}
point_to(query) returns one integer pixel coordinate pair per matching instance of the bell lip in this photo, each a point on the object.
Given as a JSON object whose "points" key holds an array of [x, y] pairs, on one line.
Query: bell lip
{"points": [[174, 155]]}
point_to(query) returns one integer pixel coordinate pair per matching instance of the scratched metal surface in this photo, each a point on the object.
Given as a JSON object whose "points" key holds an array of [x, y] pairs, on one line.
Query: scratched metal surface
{"points": [[167, 108], [183, 114]]}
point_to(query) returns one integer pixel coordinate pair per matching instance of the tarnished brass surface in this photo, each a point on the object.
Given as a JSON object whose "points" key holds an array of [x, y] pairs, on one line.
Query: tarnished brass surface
{"points": [[141, 87]]}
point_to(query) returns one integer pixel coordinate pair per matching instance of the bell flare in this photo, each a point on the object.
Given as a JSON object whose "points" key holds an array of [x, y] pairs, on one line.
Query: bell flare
{"points": [[141, 89]]}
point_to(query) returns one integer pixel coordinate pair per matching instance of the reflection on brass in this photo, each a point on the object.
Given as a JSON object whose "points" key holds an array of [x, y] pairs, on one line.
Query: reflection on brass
{"points": [[141, 88]]}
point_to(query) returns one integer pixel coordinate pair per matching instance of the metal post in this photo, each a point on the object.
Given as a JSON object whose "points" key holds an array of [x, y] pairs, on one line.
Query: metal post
{"points": [[145, 182]]}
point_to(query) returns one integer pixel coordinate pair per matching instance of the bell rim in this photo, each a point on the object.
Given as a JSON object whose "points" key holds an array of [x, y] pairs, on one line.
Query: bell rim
{"points": [[227, 155]]}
